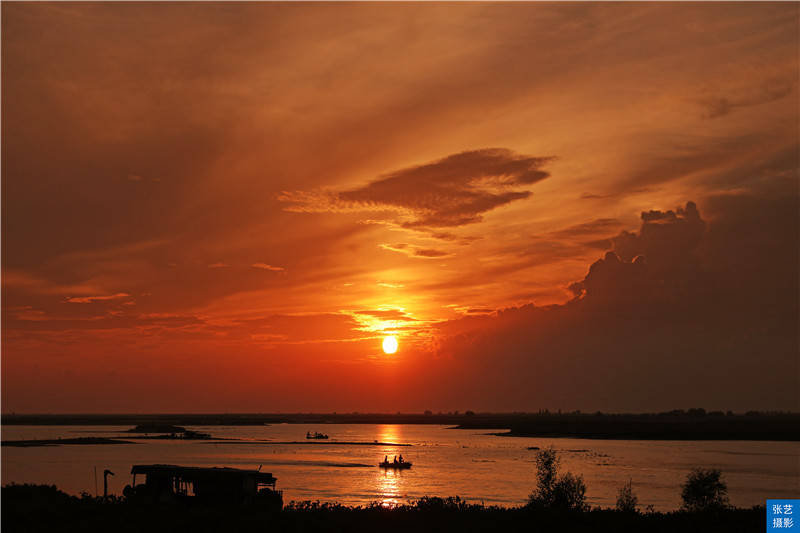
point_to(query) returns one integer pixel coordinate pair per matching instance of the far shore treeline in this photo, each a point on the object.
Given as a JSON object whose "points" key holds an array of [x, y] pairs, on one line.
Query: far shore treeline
{"points": [[692, 424]]}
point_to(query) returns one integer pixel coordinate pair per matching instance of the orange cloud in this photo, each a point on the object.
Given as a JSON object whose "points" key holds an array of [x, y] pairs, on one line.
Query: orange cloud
{"points": [[265, 266], [415, 251], [91, 299]]}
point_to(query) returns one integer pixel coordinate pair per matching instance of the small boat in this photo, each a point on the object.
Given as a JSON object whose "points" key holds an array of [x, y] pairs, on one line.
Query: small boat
{"points": [[395, 465], [315, 435]]}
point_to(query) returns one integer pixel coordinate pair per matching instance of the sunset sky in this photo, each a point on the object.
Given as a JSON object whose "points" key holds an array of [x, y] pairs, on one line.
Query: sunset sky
{"points": [[226, 208]]}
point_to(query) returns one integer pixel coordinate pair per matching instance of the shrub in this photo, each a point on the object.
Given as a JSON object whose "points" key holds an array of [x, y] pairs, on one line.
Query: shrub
{"points": [[33, 494], [567, 492], [435, 503], [704, 490], [627, 500]]}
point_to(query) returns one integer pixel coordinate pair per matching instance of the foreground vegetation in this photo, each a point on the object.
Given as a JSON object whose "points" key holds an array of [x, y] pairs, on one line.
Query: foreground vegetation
{"points": [[558, 503], [42, 508]]}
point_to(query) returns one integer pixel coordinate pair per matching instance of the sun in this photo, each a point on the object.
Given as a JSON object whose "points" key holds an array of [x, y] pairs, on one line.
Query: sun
{"points": [[390, 344]]}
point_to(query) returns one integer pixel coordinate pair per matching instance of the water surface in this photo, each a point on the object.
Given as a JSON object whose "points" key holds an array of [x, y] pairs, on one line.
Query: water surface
{"points": [[473, 464]]}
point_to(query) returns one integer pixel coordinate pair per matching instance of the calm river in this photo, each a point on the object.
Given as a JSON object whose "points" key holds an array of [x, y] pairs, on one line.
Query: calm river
{"points": [[473, 464]]}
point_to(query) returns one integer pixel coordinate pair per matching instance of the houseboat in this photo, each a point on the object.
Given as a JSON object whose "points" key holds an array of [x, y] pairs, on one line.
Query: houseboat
{"points": [[174, 484]]}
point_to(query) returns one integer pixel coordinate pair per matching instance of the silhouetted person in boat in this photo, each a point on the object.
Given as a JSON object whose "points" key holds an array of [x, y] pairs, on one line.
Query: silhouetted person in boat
{"points": [[395, 460], [385, 458], [401, 458]]}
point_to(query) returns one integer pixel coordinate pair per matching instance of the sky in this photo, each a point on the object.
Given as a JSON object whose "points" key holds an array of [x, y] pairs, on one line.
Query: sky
{"points": [[227, 207]]}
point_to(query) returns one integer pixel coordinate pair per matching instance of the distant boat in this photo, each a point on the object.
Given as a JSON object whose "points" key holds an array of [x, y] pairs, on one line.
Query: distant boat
{"points": [[315, 435], [395, 465]]}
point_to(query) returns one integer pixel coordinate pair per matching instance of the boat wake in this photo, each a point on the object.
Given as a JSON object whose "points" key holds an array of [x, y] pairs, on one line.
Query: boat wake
{"points": [[331, 464]]}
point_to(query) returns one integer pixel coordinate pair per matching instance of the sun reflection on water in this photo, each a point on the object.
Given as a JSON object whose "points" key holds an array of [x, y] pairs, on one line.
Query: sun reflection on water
{"points": [[389, 488], [390, 482]]}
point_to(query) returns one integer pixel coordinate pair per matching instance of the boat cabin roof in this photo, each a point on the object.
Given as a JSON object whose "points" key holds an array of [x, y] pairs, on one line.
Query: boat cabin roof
{"points": [[196, 473]]}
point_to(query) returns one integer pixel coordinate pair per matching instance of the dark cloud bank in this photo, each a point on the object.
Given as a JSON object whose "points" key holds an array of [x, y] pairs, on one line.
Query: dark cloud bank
{"points": [[684, 312]]}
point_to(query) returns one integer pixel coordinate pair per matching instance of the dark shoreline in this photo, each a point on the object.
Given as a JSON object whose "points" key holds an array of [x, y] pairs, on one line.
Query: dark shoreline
{"points": [[695, 424], [771, 437], [104, 441], [664, 426], [309, 442], [78, 441]]}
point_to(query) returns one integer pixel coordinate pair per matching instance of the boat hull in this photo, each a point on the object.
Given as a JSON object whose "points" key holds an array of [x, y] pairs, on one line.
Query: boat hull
{"points": [[395, 466]]}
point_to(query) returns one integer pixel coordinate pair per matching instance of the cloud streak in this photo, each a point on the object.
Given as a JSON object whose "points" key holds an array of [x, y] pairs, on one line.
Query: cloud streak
{"points": [[265, 266], [416, 251], [454, 191], [769, 91], [92, 299]]}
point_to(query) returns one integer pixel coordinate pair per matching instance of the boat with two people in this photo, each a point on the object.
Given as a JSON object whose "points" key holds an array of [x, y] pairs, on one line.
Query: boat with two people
{"points": [[395, 463], [315, 435]]}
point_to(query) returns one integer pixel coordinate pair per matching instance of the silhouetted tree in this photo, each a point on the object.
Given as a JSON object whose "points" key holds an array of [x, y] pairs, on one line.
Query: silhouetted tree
{"points": [[627, 500], [554, 492], [546, 472], [704, 489]]}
